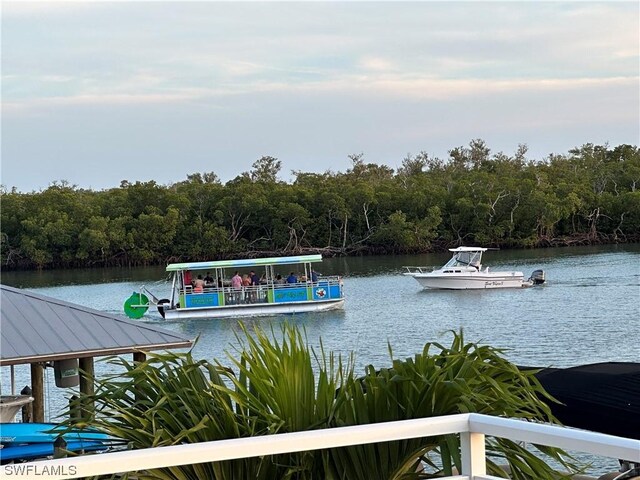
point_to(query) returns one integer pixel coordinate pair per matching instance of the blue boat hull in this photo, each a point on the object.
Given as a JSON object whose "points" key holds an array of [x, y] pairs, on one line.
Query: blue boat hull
{"points": [[30, 451], [43, 433], [26, 441]]}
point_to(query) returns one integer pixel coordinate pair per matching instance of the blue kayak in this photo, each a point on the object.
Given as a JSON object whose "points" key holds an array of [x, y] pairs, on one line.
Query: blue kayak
{"points": [[20, 433], [16, 451]]}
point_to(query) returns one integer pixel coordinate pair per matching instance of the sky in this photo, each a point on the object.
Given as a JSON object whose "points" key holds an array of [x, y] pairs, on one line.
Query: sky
{"points": [[94, 93]]}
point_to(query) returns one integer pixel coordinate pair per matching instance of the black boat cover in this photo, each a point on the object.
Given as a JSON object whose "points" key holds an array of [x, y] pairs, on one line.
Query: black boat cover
{"points": [[602, 397]]}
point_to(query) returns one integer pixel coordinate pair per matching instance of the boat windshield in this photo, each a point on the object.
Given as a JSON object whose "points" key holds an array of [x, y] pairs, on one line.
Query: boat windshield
{"points": [[472, 259]]}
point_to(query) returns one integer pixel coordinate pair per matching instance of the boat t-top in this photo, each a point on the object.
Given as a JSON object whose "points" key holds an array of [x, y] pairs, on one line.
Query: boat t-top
{"points": [[464, 271], [246, 287]]}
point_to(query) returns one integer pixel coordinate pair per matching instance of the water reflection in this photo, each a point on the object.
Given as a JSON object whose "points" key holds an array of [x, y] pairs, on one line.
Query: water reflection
{"points": [[347, 266]]}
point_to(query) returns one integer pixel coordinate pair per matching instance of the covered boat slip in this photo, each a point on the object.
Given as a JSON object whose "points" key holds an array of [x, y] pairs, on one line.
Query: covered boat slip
{"points": [[45, 332], [286, 285]]}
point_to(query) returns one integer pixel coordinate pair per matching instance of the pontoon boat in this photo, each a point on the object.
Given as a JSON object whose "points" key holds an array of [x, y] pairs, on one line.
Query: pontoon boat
{"points": [[215, 295]]}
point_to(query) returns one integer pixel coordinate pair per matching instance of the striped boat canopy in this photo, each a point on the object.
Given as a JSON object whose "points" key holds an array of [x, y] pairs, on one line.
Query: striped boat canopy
{"points": [[245, 262], [470, 249]]}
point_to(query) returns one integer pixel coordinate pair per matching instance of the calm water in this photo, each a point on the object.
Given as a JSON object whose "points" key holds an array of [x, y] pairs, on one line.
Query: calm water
{"points": [[588, 311]]}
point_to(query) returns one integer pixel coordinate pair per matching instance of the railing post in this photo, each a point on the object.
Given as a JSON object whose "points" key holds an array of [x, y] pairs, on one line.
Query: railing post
{"points": [[37, 388], [472, 454], [87, 386], [59, 447]]}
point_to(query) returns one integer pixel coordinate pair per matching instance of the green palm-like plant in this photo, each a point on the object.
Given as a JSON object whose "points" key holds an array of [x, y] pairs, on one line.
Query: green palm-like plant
{"points": [[462, 378], [282, 385], [172, 399], [287, 387]]}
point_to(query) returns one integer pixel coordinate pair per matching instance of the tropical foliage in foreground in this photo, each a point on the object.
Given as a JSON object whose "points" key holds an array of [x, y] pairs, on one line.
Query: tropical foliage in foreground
{"points": [[276, 383], [590, 195]]}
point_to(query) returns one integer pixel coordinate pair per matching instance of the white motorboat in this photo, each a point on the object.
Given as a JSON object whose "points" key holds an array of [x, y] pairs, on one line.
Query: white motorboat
{"points": [[464, 271]]}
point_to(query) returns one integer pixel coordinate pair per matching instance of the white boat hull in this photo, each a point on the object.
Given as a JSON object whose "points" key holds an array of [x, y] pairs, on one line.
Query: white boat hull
{"points": [[253, 310], [10, 405], [471, 280]]}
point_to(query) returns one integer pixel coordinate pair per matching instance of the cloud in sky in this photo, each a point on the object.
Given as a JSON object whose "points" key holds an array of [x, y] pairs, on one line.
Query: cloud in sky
{"points": [[96, 93]]}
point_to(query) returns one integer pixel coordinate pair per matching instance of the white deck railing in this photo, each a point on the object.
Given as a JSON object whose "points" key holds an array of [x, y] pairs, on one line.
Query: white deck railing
{"points": [[472, 428]]}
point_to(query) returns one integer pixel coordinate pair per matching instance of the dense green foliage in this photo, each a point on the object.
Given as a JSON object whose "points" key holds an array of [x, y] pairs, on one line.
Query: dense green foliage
{"points": [[589, 195], [278, 384]]}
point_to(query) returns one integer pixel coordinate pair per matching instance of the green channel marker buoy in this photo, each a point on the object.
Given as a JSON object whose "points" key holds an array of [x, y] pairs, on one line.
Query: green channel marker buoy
{"points": [[136, 305]]}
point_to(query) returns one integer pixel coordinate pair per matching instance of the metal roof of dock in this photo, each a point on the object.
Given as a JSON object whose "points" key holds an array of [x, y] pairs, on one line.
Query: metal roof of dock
{"points": [[37, 328], [245, 262]]}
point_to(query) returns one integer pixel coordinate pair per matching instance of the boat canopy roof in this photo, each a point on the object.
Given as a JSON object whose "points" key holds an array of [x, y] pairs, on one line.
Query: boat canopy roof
{"points": [[245, 262], [468, 249]]}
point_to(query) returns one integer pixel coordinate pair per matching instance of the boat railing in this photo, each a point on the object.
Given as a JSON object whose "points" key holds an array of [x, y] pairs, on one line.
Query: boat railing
{"points": [[472, 428], [454, 268], [255, 294], [417, 270]]}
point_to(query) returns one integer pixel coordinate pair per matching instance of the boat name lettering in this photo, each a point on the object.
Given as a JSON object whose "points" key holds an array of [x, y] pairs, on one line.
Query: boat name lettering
{"points": [[290, 295], [201, 300], [493, 283]]}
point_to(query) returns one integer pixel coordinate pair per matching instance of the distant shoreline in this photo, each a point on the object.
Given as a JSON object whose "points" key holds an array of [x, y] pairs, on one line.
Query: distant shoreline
{"points": [[575, 241], [590, 196]]}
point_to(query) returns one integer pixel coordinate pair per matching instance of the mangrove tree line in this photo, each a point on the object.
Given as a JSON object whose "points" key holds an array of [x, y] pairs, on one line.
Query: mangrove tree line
{"points": [[474, 197]]}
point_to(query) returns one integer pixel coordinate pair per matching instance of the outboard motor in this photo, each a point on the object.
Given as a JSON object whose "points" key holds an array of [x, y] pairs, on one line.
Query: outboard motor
{"points": [[163, 304], [537, 277]]}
